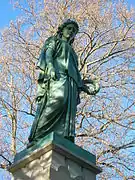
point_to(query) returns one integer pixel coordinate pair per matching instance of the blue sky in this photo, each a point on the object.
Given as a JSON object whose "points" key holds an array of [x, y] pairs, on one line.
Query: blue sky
{"points": [[7, 13]]}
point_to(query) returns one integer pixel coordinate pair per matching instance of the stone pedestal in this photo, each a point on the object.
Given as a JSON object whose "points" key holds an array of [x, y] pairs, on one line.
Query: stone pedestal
{"points": [[54, 158]]}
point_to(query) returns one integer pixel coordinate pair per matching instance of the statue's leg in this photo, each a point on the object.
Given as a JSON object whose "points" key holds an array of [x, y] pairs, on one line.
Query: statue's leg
{"points": [[53, 115]]}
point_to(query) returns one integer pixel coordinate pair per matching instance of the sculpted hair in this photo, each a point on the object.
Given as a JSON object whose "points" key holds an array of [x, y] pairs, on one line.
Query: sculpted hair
{"points": [[62, 26]]}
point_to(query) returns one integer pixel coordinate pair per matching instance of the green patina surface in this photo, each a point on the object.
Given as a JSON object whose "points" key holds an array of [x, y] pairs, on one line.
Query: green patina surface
{"points": [[59, 85], [59, 141]]}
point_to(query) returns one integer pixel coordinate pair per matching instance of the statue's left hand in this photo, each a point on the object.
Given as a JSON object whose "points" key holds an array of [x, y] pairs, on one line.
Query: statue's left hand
{"points": [[96, 85], [92, 87]]}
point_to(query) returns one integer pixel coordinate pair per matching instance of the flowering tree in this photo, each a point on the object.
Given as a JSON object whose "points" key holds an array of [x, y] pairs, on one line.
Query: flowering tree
{"points": [[105, 46]]}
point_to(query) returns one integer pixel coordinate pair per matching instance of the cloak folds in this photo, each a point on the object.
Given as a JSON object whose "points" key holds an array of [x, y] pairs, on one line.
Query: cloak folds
{"points": [[57, 99]]}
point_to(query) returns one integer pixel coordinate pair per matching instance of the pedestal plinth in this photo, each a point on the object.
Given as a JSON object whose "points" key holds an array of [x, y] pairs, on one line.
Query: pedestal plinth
{"points": [[54, 158]]}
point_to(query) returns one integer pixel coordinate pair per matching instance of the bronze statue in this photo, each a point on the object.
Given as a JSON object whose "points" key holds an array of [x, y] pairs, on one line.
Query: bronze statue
{"points": [[59, 85]]}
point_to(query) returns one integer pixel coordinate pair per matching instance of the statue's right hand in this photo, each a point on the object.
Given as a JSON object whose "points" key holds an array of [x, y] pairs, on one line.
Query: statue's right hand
{"points": [[51, 72]]}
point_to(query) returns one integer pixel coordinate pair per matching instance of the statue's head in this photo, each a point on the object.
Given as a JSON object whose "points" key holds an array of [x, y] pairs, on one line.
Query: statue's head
{"points": [[68, 29]]}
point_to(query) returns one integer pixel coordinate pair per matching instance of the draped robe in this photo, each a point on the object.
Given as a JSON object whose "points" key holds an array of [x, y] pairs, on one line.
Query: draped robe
{"points": [[57, 99]]}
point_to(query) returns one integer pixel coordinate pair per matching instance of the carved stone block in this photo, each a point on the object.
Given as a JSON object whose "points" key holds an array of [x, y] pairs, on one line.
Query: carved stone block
{"points": [[55, 159]]}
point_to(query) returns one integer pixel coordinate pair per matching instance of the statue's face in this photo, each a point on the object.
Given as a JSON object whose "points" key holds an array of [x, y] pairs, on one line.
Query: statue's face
{"points": [[69, 32]]}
